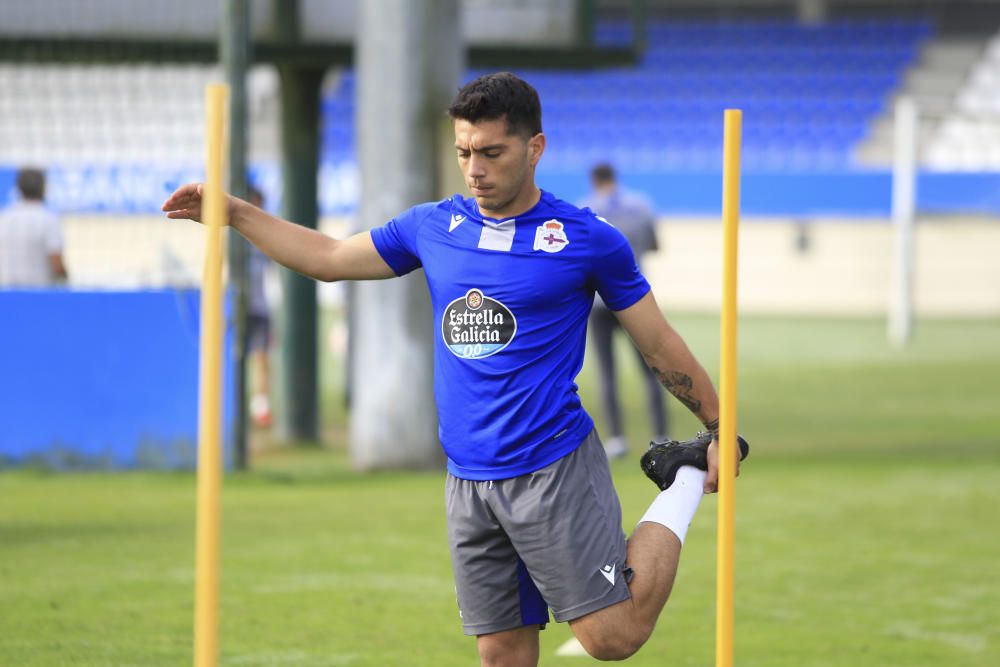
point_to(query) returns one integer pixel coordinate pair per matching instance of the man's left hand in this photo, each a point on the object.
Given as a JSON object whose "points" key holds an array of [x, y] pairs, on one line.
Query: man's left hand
{"points": [[712, 479]]}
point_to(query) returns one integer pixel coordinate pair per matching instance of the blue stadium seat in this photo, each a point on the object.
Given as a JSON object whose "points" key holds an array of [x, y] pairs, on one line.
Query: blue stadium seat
{"points": [[807, 92]]}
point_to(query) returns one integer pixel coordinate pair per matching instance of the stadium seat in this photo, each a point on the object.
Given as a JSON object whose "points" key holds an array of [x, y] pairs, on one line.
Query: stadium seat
{"points": [[810, 91], [806, 91], [968, 137]]}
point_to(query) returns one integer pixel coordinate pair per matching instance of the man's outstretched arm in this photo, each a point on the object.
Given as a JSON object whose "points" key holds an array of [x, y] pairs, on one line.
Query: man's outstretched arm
{"points": [[299, 248]]}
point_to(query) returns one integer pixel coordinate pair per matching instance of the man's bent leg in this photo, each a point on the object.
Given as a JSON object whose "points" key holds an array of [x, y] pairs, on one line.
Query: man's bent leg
{"points": [[511, 648], [617, 631]]}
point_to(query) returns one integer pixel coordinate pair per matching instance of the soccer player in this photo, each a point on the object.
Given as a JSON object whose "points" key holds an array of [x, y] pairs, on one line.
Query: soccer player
{"points": [[534, 522]]}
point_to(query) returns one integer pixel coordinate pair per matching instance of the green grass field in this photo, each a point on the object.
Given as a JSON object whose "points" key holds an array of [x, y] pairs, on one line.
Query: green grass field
{"points": [[867, 530]]}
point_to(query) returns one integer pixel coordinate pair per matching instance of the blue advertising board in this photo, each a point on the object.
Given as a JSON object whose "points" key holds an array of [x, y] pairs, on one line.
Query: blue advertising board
{"points": [[141, 189], [102, 379]]}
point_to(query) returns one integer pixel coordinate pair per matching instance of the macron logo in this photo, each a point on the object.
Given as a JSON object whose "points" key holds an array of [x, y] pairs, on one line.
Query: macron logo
{"points": [[456, 220], [608, 571]]}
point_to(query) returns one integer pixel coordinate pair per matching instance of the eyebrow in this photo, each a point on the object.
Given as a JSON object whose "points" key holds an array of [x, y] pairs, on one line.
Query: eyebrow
{"points": [[483, 149]]}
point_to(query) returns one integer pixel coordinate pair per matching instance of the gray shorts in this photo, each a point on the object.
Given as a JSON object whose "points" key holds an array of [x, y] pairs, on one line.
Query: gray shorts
{"points": [[549, 539]]}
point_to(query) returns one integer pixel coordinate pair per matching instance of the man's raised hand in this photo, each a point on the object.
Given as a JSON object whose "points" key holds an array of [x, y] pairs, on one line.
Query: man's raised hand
{"points": [[185, 203]]}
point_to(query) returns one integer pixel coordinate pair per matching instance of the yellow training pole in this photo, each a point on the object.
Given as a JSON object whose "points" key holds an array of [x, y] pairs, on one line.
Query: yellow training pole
{"points": [[727, 393], [206, 607]]}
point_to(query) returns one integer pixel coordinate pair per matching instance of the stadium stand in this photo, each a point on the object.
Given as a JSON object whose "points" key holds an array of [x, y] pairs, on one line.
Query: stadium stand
{"points": [[968, 137], [811, 92], [116, 114], [933, 83], [817, 101]]}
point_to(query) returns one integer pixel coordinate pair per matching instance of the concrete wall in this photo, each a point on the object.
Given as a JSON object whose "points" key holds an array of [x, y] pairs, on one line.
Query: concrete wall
{"points": [[829, 267]]}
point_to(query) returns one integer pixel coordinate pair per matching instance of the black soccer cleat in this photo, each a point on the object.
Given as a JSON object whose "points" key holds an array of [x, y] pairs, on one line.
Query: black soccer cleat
{"points": [[662, 460]]}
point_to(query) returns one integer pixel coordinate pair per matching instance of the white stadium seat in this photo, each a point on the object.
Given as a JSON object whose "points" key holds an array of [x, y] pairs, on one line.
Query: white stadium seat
{"points": [[968, 137], [101, 113]]}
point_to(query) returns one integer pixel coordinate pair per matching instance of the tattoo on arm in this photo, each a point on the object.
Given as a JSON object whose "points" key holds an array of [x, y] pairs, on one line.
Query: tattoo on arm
{"points": [[680, 385], [713, 428]]}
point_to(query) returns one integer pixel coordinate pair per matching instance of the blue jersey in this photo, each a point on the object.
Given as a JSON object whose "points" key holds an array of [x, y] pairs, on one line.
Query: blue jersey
{"points": [[511, 299]]}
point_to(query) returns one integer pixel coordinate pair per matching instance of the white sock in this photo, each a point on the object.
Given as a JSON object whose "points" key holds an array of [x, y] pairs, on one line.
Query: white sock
{"points": [[675, 507]]}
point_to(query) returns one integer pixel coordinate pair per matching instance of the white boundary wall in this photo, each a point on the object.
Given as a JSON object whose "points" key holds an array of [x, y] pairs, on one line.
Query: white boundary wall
{"points": [[844, 269]]}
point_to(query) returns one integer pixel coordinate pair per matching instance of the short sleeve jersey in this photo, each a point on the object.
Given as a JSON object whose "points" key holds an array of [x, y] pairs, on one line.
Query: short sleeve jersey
{"points": [[511, 300], [29, 234]]}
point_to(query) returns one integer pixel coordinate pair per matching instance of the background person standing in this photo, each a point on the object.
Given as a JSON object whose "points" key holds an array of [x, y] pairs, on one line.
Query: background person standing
{"points": [[633, 215], [259, 329], [31, 237]]}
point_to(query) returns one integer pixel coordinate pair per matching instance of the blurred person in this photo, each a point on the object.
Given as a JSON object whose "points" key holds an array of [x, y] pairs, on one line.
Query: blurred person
{"points": [[259, 328], [632, 214], [534, 521], [31, 237]]}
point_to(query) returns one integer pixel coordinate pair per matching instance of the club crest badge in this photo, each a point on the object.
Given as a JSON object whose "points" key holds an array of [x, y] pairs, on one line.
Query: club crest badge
{"points": [[551, 237]]}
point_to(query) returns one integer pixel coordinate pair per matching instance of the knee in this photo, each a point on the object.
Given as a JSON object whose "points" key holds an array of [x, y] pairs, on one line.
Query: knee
{"points": [[617, 645], [493, 654], [509, 649], [497, 656]]}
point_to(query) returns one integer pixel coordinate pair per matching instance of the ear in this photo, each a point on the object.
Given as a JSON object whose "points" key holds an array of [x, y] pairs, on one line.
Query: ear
{"points": [[536, 146]]}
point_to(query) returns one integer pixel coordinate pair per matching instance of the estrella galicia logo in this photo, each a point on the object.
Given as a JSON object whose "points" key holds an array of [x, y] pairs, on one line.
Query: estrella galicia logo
{"points": [[475, 326]]}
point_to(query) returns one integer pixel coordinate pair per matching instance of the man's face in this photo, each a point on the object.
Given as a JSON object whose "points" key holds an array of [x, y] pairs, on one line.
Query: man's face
{"points": [[497, 166]]}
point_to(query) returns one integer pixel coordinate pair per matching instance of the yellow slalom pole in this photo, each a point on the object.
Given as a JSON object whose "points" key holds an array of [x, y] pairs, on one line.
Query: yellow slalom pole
{"points": [[725, 562], [206, 608]]}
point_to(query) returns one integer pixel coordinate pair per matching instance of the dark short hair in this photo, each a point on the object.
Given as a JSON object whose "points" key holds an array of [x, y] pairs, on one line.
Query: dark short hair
{"points": [[603, 173], [500, 95], [31, 183]]}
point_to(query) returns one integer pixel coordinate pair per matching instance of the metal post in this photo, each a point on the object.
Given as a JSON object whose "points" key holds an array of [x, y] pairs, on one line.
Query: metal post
{"points": [[234, 53], [585, 20], [811, 12], [639, 17], [904, 195], [300, 91]]}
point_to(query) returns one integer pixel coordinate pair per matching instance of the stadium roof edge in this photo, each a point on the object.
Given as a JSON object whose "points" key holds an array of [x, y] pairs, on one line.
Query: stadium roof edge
{"points": [[306, 54]]}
